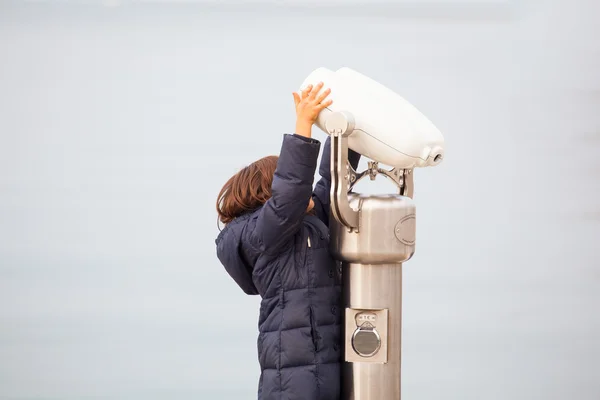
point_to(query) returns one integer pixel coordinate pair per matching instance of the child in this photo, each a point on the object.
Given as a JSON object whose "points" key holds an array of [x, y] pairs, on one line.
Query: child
{"points": [[276, 244]]}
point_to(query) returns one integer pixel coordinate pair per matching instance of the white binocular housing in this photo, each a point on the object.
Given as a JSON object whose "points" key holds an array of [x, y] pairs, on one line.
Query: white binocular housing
{"points": [[387, 128]]}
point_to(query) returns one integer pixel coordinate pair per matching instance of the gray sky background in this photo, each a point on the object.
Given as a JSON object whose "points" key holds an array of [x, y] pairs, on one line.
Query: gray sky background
{"points": [[119, 124]]}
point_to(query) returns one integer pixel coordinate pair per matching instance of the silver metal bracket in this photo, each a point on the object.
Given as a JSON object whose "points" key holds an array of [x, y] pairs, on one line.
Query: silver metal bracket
{"points": [[403, 178], [340, 126]]}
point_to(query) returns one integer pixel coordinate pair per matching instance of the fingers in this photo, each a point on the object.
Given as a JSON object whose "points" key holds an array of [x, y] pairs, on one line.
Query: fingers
{"points": [[325, 104], [311, 95], [323, 96], [315, 90], [306, 91]]}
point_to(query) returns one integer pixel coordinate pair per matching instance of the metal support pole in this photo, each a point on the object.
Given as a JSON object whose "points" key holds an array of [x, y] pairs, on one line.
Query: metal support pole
{"points": [[372, 235], [373, 292]]}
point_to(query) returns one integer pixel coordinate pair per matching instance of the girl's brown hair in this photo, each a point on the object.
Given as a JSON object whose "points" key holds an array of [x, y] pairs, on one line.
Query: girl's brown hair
{"points": [[247, 190]]}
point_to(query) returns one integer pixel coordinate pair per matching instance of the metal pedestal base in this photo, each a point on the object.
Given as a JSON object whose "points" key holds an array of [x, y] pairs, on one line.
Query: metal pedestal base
{"points": [[370, 290]]}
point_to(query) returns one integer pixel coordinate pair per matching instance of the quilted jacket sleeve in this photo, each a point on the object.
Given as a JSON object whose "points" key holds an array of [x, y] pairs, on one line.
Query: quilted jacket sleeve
{"points": [[281, 216]]}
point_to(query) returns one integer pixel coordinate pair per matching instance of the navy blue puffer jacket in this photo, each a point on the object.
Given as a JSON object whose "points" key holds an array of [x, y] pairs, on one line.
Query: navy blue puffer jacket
{"points": [[281, 253]]}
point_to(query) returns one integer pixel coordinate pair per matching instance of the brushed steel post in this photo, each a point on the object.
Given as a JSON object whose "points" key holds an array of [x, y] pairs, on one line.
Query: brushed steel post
{"points": [[372, 235], [374, 287]]}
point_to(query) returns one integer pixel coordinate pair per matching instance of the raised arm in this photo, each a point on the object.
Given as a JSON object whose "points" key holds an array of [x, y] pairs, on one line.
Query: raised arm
{"points": [[321, 194], [281, 216]]}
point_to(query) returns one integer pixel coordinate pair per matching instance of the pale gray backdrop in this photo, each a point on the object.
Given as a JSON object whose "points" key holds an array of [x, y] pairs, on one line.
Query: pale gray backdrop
{"points": [[120, 121]]}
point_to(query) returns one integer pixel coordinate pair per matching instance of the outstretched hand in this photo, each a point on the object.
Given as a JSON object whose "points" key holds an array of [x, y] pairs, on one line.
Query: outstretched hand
{"points": [[308, 106]]}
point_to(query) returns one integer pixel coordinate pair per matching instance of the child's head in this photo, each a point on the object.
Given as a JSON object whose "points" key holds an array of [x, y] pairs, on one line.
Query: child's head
{"points": [[248, 190]]}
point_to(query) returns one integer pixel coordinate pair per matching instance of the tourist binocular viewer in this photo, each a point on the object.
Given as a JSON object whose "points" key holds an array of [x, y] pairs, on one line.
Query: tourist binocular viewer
{"points": [[372, 235]]}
